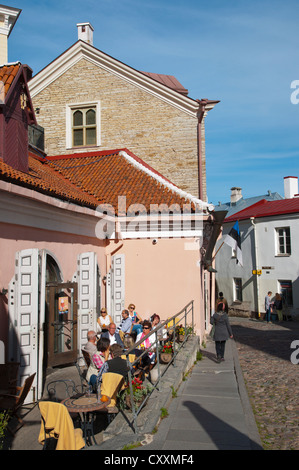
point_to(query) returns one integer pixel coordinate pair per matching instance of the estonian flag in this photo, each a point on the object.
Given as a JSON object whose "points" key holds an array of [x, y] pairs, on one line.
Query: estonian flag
{"points": [[233, 239]]}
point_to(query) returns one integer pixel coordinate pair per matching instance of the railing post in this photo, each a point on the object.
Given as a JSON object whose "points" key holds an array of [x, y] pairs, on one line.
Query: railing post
{"points": [[174, 342], [158, 359]]}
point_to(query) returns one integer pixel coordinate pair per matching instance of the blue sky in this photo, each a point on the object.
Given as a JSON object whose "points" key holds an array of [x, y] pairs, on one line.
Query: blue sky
{"points": [[245, 54]]}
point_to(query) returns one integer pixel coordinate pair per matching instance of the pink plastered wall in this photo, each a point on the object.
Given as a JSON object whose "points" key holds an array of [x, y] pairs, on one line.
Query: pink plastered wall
{"points": [[163, 277], [63, 246]]}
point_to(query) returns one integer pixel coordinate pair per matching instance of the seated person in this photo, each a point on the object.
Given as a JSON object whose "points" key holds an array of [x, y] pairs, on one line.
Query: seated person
{"points": [[91, 345], [98, 359], [125, 325], [162, 333], [136, 319], [103, 321], [129, 342], [112, 335], [148, 342], [117, 365]]}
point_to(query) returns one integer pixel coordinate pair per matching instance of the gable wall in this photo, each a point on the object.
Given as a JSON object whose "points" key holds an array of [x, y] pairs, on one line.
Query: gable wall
{"points": [[162, 135]]}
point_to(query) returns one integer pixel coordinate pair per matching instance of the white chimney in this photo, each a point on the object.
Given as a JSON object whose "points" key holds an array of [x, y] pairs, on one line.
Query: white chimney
{"points": [[236, 194], [8, 18], [290, 187], [85, 32]]}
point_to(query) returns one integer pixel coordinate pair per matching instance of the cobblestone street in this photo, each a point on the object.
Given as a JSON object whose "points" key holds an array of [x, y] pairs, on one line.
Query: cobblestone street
{"points": [[271, 378]]}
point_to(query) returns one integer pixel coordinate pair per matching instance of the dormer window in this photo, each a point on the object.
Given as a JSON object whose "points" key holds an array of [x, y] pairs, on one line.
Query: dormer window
{"points": [[83, 125]]}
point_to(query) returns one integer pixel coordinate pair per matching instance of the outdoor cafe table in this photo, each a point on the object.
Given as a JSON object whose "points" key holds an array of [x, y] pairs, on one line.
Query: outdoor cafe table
{"points": [[87, 406]]}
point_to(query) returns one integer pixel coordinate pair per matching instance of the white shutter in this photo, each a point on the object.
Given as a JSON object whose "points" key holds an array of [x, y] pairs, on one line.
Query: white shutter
{"points": [[42, 320], [117, 287], [12, 341], [88, 295], [109, 294], [26, 315]]}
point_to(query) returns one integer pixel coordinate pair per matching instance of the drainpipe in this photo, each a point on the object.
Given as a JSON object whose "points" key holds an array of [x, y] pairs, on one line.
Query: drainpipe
{"points": [[252, 220], [200, 116], [205, 105]]}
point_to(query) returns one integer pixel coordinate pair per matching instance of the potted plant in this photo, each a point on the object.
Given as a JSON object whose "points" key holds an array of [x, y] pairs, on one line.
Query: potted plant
{"points": [[166, 353], [139, 393], [180, 331]]}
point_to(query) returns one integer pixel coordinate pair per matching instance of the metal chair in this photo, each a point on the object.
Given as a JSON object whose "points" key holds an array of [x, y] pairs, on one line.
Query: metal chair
{"points": [[82, 371], [60, 389]]}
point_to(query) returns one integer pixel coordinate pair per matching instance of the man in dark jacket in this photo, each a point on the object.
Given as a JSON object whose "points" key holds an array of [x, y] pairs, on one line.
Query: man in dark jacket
{"points": [[117, 365]]}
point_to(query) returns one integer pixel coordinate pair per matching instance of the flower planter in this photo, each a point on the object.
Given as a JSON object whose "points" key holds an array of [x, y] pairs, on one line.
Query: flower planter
{"points": [[181, 338], [136, 403], [165, 358]]}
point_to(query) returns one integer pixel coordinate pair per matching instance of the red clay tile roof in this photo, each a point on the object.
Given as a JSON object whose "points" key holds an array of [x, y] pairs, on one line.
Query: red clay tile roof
{"points": [[95, 178], [7, 75], [265, 208], [43, 179], [108, 175]]}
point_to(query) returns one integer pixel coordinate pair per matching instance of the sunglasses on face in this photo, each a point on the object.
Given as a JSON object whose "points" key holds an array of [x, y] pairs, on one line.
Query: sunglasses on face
{"points": [[146, 327]]}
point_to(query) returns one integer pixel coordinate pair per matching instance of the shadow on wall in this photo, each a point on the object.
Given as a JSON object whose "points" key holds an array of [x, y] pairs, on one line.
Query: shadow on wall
{"points": [[3, 326]]}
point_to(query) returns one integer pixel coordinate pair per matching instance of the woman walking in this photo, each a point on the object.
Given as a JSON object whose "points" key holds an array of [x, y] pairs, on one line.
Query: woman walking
{"points": [[223, 330]]}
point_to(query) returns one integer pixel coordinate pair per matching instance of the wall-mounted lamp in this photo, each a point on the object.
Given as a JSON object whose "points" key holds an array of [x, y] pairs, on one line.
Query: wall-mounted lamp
{"points": [[4, 291], [155, 241]]}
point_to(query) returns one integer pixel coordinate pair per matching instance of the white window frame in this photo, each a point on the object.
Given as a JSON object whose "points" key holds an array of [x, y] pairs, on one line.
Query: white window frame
{"points": [[278, 253], [70, 108]]}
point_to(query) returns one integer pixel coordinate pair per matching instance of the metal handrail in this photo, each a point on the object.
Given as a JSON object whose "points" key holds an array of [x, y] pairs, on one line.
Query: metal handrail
{"points": [[175, 320]]}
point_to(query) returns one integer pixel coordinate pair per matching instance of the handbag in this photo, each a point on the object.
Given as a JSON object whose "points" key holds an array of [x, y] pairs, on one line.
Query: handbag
{"points": [[212, 332]]}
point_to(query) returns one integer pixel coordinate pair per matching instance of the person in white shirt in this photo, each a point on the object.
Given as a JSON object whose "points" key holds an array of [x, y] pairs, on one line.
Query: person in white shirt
{"points": [[112, 335], [104, 320]]}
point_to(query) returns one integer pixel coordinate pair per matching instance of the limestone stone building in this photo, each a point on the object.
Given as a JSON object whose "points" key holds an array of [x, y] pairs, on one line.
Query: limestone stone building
{"points": [[86, 100]]}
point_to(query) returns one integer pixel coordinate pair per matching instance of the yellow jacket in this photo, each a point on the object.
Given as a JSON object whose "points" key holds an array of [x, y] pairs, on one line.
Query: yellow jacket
{"points": [[59, 425]]}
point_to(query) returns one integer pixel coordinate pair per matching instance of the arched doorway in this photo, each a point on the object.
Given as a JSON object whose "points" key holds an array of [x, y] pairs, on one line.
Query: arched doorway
{"points": [[60, 340]]}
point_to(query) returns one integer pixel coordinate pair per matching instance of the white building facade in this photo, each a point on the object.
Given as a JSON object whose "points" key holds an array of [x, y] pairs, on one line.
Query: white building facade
{"points": [[269, 233]]}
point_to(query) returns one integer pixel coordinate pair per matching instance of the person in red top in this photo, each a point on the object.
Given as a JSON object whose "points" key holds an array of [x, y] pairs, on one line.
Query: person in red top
{"points": [[98, 359]]}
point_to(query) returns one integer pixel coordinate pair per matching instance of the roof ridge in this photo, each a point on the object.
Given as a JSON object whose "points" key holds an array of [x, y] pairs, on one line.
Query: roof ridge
{"points": [[165, 182], [271, 208]]}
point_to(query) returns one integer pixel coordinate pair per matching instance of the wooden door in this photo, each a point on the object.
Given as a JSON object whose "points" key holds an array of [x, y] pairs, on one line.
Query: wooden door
{"points": [[62, 343]]}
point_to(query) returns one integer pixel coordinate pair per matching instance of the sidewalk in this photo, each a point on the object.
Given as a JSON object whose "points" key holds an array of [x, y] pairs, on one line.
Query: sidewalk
{"points": [[211, 411]]}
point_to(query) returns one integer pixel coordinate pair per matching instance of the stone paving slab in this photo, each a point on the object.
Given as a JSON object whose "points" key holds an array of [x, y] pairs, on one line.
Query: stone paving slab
{"points": [[272, 380]]}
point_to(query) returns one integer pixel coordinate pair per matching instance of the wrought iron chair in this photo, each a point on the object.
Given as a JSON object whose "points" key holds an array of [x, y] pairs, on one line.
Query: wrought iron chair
{"points": [[82, 371], [60, 389]]}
